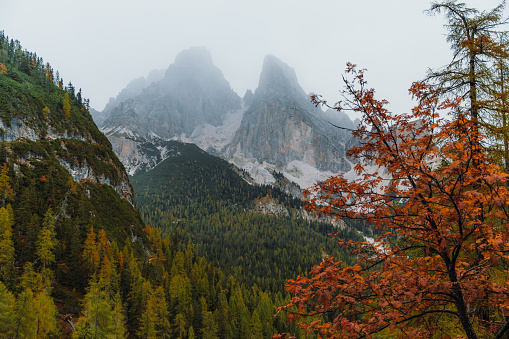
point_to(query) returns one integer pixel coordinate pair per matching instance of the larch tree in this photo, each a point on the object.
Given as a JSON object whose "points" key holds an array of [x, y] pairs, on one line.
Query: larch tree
{"points": [[7, 312], [443, 212], [6, 243], [46, 241], [498, 121], [45, 313], [25, 317], [6, 191], [478, 47]]}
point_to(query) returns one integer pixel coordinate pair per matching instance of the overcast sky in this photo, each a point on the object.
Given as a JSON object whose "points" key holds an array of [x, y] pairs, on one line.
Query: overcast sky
{"points": [[101, 45]]}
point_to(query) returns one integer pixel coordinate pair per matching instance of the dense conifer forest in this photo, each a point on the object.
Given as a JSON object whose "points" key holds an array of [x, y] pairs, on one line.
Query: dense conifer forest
{"points": [[203, 201]]}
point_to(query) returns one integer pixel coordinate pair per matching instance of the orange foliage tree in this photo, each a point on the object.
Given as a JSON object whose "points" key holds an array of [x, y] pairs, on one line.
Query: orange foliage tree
{"points": [[439, 269]]}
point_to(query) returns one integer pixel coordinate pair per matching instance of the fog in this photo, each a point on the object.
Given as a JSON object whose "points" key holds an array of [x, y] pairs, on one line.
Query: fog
{"points": [[101, 45]]}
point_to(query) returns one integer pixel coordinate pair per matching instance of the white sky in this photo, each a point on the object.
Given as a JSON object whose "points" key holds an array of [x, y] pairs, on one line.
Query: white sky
{"points": [[101, 45]]}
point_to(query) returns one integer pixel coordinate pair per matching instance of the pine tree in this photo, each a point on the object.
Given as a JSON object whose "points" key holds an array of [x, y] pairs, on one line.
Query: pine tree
{"points": [[45, 113], [46, 240], [101, 317], [90, 252], [154, 321]]}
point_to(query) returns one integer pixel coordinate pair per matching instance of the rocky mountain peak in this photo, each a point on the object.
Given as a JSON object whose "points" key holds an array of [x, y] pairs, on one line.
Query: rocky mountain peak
{"points": [[282, 127], [195, 65], [276, 75]]}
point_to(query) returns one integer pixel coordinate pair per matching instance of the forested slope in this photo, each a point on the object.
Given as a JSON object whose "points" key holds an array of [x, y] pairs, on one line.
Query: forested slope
{"points": [[204, 201]]}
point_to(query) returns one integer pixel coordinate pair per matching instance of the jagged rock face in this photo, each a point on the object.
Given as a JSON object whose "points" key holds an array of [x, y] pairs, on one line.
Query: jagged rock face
{"points": [[19, 131], [192, 92], [132, 90], [139, 154], [282, 125]]}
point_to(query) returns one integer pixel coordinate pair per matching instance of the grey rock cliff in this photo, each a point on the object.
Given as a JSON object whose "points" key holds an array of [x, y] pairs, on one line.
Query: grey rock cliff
{"points": [[282, 125]]}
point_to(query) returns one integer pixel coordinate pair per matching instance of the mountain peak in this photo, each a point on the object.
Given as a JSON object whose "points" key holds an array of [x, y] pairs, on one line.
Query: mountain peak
{"points": [[277, 74], [196, 55]]}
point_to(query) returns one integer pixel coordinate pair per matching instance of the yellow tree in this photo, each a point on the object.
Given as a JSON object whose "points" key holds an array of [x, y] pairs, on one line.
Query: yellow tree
{"points": [[46, 241], [45, 113], [45, 313], [6, 191], [90, 252], [6, 243], [477, 47], [7, 312]]}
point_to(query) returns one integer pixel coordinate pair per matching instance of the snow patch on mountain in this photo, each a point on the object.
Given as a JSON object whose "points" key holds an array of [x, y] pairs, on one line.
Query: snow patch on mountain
{"points": [[217, 137]]}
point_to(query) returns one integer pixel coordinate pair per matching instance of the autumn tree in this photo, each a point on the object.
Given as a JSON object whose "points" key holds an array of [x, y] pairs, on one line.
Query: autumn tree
{"points": [[478, 47], [7, 312], [6, 191], [102, 315], [45, 113], [46, 240], [45, 313], [91, 252], [442, 210], [498, 123], [6, 243]]}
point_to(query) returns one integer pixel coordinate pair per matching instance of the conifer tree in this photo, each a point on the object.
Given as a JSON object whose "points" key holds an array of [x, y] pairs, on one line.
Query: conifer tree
{"points": [[6, 243], [32, 279], [7, 312], [477, 47], [6, 192], [67, 106], [25, 318], [46, 313], [101, 317], [46, 241], [45, 113], [90, 251]]}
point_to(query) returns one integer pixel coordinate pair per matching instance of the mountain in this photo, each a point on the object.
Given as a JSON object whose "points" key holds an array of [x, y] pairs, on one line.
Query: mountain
{"points": [[133, 89], [192, 92], [283, 128], [274, 130]]}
